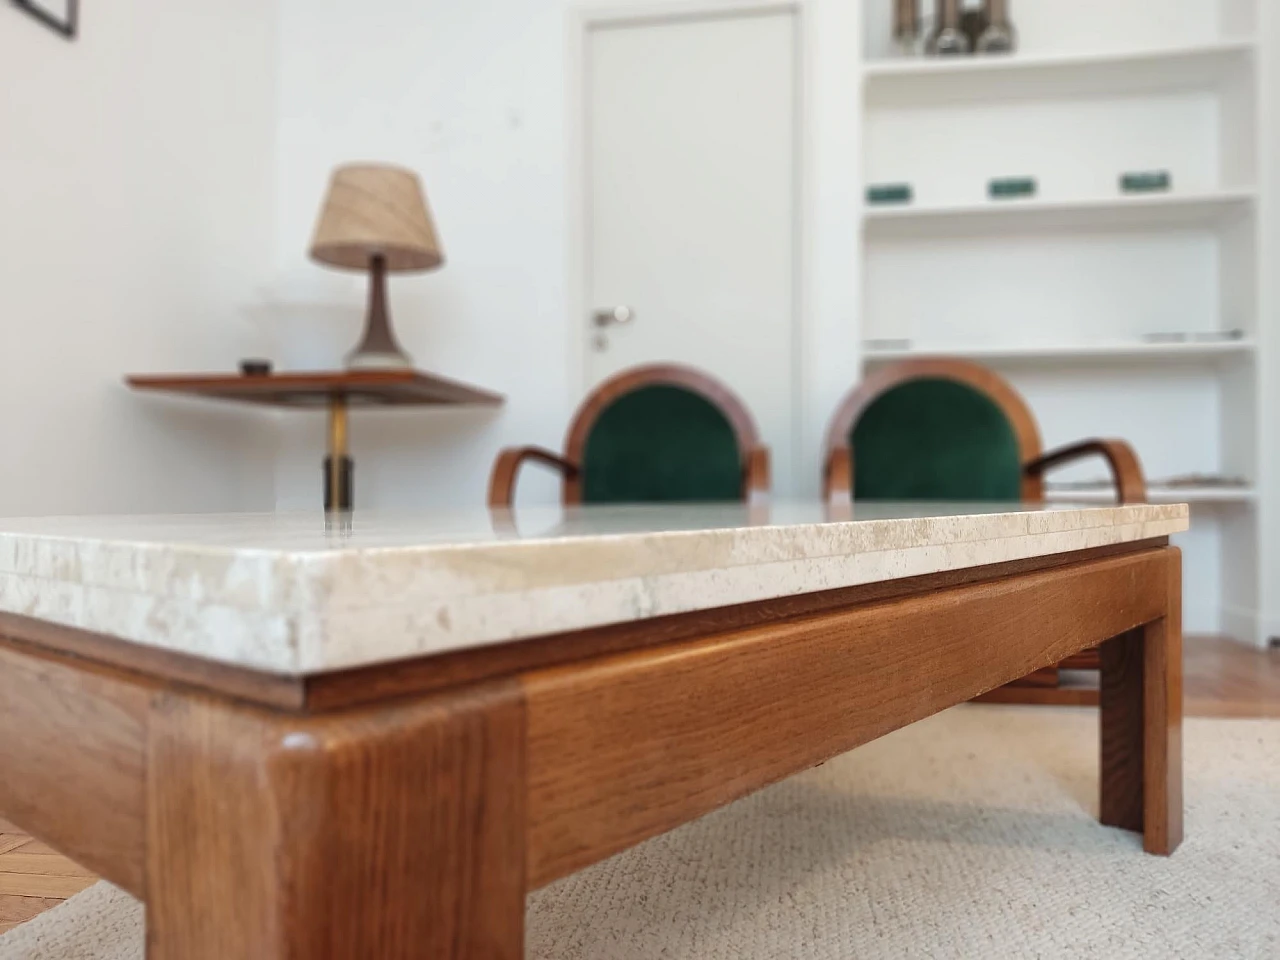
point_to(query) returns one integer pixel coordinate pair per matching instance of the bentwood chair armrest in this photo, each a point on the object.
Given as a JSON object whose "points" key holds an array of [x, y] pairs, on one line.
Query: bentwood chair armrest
{"points": [[756, 475], [837, 476], [1126, 468], [502, 482]]}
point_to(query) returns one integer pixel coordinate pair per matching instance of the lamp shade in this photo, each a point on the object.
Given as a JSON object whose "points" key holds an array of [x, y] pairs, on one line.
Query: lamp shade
{"points": [[376, 210]]}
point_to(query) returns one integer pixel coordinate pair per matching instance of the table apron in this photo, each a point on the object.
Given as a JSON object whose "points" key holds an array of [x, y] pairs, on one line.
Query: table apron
{"points": [[626, 747], [73, 756]]}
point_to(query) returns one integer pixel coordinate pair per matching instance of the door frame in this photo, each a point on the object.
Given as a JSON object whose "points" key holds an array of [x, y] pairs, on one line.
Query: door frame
{"points": [[580, 19]]}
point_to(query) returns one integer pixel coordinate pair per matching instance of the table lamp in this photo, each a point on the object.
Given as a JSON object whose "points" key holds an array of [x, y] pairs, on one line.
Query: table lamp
{"points": [[375, 218]]}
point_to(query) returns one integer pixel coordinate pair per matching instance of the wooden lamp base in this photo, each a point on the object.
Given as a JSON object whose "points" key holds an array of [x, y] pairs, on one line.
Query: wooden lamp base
{"points": [[378, 349]]}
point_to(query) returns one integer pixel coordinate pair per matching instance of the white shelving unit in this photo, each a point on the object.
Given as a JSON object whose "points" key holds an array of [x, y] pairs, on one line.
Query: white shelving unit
{"points": [[922, 82], [1119, 351], [1208, 209], [1063, 291], [1196, 496]]}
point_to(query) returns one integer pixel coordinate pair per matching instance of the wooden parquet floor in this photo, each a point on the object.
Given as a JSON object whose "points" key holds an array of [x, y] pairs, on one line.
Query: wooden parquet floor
{"points": [[1221, 679], [33, 877]]}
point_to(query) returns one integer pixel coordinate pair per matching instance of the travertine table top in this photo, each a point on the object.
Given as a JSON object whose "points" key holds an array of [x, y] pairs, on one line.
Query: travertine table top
{"points": [[279, 593]]}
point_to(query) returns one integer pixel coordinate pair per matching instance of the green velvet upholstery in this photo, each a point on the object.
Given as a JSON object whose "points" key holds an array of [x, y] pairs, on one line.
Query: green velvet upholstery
{"points": [[935, 439], [661, 444]]}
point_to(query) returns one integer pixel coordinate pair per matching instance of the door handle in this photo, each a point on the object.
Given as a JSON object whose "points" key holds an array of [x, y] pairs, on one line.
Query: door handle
{"points": [[615, 317]]}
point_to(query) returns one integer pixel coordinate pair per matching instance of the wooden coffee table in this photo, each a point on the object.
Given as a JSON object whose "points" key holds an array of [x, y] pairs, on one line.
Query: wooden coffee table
{"points": [[293, 743]]}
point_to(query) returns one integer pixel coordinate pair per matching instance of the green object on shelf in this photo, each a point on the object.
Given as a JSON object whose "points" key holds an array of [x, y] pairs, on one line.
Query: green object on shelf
{"points": [[1010, 187], [883, 193], [1146, 182]]}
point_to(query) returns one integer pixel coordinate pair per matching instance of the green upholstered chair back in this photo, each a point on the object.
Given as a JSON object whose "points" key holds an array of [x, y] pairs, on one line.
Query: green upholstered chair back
{"points": [[662, 433], [661, 443], [935, 438]]}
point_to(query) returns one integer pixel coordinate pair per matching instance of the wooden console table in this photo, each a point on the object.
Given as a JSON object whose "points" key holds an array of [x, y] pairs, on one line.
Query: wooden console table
{"points": [[336, 390]]}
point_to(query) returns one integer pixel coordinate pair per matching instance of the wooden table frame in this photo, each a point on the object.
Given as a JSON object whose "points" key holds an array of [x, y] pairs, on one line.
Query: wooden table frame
{"points": [[404, 811]]}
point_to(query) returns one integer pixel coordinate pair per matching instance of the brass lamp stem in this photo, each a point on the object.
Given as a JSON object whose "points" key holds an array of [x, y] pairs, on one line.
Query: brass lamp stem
{"points": [[337, 426], [338, 467]]}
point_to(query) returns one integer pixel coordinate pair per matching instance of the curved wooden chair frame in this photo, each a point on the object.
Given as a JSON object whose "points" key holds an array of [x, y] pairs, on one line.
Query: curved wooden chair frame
{"points": [[1126, 472], [755, 457], [838, 463]]}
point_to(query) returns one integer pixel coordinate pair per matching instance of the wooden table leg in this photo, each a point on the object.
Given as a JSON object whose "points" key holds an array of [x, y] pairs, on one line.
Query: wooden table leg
{"points": [[387, 833], [1141, 724]]}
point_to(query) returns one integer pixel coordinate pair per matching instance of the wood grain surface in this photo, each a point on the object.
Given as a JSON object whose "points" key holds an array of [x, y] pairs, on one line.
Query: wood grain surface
{"points": [[72, 761], [1141, 726], [506, 470], [1222, 678], [1162, 696], [626, 747], [394, 833], [313, 389], [1064, 695], [150, 664], [1121, 733], [398, 821], [1121, 459]]}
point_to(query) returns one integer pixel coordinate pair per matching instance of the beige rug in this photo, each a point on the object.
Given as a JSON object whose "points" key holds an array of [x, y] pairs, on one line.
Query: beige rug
{"points": [[968, 836]]}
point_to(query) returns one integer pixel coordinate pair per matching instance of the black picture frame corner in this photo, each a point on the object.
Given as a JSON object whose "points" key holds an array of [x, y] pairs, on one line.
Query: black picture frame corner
{"points": [[67, 26]]}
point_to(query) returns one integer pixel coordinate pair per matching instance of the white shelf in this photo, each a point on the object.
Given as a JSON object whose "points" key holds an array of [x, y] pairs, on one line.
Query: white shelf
{"points": [[1163, 210], [977, 79], [1124, 351], [1086, 269], [1191, 495]]}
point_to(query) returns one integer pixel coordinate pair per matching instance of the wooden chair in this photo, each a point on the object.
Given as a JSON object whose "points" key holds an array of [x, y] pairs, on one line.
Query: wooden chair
{"points": [[950, 430], [651, 434]]}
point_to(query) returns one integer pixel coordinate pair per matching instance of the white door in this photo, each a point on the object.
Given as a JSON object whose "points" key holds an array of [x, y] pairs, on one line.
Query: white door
{"points": [[692, 206]]}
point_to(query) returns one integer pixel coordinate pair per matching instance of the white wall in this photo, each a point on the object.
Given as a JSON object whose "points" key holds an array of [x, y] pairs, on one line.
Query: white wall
{"points": [[157, 190], [135, 215], [474, 95], [1269, 166]]}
